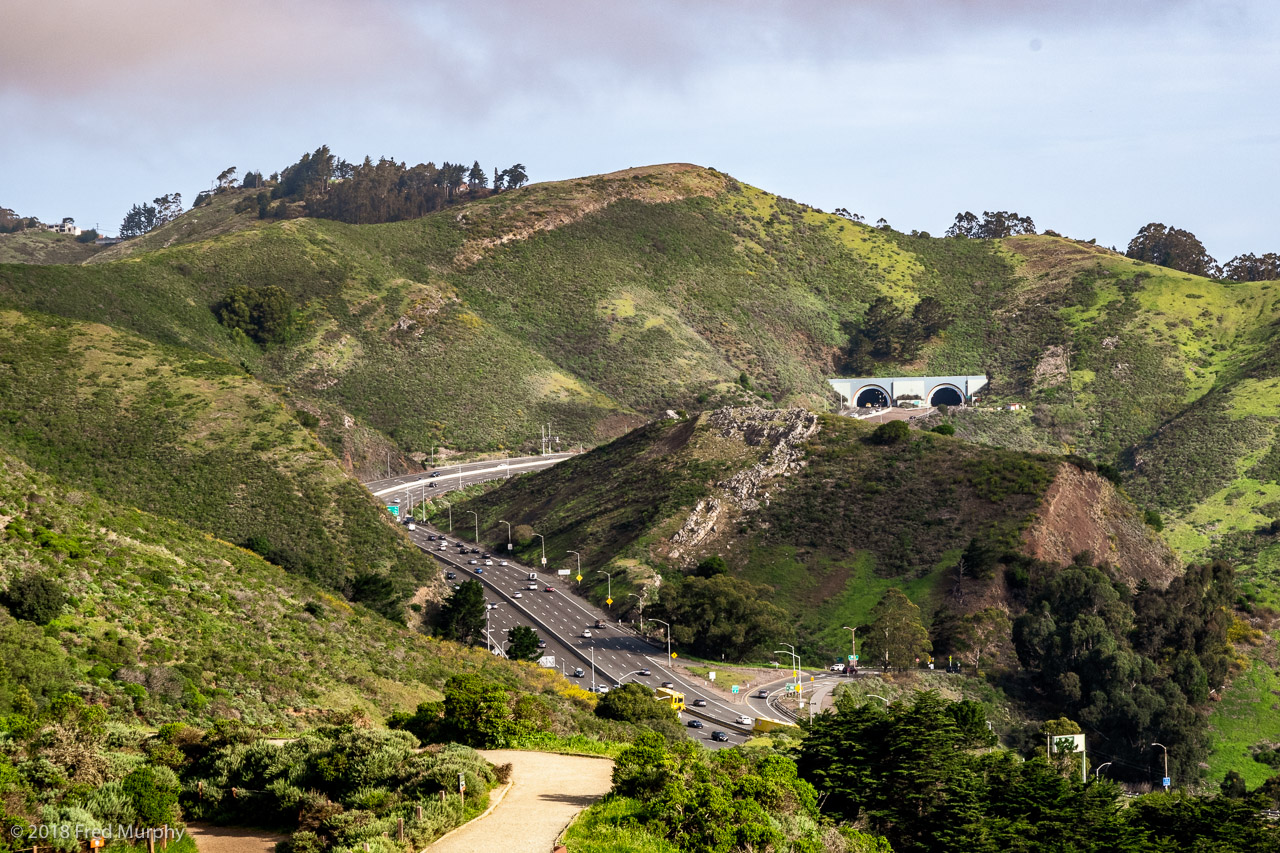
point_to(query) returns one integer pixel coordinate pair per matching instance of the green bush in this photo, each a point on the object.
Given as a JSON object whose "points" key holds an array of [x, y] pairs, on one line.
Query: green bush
{"points": [[35, 598], [944, 429], [892, 432]]}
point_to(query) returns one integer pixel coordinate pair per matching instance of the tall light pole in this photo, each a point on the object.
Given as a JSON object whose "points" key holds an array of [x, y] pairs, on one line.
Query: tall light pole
{"points": [[578, 576], [459, 476], [854, 642], [450, 505], [508, 524], [544, 548], [668, 632], [1165, 780], [1098, 770], [609, 600], [881, 698], [477, 517], [799, 686], [433, 456], [593, 666], [488, 638], [641, 600]]}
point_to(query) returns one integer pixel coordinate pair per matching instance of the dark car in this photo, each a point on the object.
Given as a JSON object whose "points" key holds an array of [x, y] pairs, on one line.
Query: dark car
{"points": [[668, 684], [431, 537], [644, 672], [435, 474], [486, 555], [699, 703], [542, 644], [431, 485], [450, 576], [695, 724], [719, 735], [475, 550]]}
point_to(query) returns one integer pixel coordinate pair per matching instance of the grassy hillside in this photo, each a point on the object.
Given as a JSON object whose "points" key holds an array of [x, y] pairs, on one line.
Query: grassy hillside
{"points": [[166, 622], [194, 438], [598, 302], [827, 537], [44, 247]]}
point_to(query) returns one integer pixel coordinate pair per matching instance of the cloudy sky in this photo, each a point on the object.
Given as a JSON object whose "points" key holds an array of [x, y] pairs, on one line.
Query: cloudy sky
{"points": [[1092, 116]]}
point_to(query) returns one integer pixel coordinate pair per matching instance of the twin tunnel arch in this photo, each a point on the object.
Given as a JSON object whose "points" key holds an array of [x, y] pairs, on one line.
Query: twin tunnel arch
{"points": [[882, 393]]}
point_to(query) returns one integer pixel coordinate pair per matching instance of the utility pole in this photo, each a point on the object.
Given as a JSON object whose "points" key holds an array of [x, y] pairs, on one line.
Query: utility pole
{"points": [[609, 600], [508, 524], [854, 641], [477, 517], [578, 576], [796, 671], [667, 631], [544, 548], [450, 505]]}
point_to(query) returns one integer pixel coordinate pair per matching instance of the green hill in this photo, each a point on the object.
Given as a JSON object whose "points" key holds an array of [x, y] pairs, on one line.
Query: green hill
{"points": [[193, 438], [822, 516], [596, 303]]}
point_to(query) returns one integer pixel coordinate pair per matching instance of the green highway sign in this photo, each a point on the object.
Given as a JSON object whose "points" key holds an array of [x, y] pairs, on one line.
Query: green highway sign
{"points": [[394, 510], [735, 688]]}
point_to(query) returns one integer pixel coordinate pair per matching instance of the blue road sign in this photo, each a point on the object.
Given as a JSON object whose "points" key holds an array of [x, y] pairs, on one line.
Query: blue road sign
{"points": [[1167, 781]]}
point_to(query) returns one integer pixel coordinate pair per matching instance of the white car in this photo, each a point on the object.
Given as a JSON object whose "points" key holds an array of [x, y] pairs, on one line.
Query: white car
{"points": [[488, 562], [473, 562], [745, 721], [837, 667], [587, 633], [502, 562], [532, 586], [602, 688], [493, 605], [518, 595]]}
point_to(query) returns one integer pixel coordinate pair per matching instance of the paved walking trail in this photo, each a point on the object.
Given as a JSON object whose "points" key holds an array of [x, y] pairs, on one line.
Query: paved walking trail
{"points": [[230, 839], [547, 791]]}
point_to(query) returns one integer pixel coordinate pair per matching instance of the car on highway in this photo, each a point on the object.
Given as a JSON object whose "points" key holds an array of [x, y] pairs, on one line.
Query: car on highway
{"points": [[493, 605], [600, 624], [551, 589], [694, 724], [473, 562], [518, 595], [449, 576], [488, 562], [434, 474], [837, 667], [431, 537], [486, 555], [431, 485], [744, 720], [502, 562], [643, 672], [475, 550], [533, 586], [578, 673], [699, 703], [586, 632], [602, 688], [762, 693], [441, 548], [479, 570], [668, 684], [542, 644], [719, 735]]}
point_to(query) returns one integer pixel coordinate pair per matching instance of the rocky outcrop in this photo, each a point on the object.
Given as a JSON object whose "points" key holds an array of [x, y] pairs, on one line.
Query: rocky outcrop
{"points": [[781, 431]]}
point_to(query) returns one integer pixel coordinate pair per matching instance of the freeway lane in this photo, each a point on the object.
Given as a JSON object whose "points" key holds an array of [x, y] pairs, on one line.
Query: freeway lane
{"points": [[561, 618]]}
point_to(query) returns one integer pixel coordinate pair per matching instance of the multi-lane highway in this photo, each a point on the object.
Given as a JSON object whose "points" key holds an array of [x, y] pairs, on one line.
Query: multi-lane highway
{"points": [[568, 623]]}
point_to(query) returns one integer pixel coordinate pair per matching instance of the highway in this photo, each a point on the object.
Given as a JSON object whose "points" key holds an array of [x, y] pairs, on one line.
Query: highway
{"points": [[561, 618], [412, 489]]}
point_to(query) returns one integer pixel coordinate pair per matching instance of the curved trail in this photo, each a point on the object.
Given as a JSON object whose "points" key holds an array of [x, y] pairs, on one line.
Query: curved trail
{"points": [[547, 791]]}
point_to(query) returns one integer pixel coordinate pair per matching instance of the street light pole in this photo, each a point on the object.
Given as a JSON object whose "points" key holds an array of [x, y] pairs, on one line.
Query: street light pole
{"points": [[1098, 770], [477, 517], [799, 686], [1166, 766], [668, 633], [854, 641], [610, 576], [579, 574], [508, 524], [881, 698], [593, 667], [544, 548], [450, 516]]}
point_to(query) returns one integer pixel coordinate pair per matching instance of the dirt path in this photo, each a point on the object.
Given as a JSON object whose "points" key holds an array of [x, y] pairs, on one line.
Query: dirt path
{"points": [[547, 791], [230, 839]]}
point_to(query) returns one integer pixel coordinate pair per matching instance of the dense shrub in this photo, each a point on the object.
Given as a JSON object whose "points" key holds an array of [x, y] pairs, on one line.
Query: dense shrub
{"points": [[892, 432], [35, 598]]}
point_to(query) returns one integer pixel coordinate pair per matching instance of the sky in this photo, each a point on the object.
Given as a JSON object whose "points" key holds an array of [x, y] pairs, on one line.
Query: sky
{"points": [[1094, 117]]}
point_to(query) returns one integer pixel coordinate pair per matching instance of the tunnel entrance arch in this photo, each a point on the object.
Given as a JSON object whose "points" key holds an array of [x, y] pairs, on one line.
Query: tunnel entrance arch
{"points": [[946, 395], [872, 396]]}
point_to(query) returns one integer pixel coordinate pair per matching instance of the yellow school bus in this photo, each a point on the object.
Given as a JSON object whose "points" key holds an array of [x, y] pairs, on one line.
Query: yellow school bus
{"points": [[674, 698]]}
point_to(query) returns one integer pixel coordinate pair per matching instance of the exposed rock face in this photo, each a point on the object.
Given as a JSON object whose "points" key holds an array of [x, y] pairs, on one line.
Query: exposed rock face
{"points": [[1083, 512], [782, 431]]}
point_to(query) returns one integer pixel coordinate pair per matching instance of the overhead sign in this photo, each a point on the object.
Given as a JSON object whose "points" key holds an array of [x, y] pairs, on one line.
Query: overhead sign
{"points": [[562, 571], [547, 661]]}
